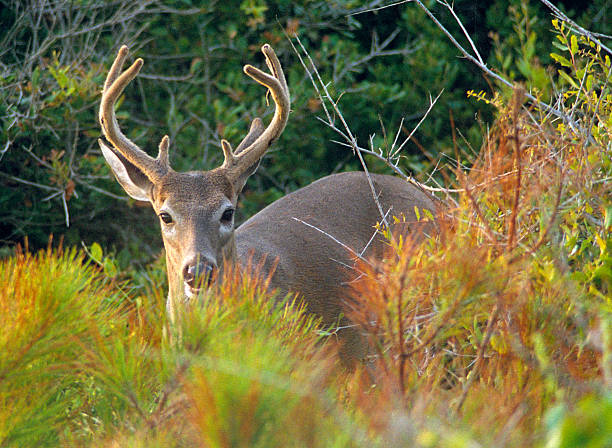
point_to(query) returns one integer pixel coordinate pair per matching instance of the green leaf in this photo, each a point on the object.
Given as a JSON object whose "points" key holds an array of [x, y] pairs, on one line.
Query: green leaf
{"points": [[608, 217], [589, 84], [96, 252], [574, 44], [524, 68], [561, 59], [530, 46], [507, 61], [110, 268], [601, 243], [561, 38], [35, 78], [568, 78]]}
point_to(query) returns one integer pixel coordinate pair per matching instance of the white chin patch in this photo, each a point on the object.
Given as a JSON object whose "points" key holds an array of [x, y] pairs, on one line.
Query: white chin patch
{"points": [[190, 293]]}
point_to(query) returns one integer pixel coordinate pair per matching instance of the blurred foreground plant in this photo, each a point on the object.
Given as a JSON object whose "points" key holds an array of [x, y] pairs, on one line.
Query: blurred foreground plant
{"points": [[83, 363], [49, 304]]}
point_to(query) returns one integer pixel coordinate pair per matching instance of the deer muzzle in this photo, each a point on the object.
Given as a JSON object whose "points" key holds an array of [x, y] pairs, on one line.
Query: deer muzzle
{"points": [[197, 275]]}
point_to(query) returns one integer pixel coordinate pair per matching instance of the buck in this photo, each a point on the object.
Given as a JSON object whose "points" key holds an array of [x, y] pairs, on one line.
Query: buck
{"points": [[301, 239]]}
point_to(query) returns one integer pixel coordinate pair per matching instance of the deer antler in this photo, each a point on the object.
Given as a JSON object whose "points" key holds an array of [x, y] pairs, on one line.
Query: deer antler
{"points": [[238, 162], [115, 82]]}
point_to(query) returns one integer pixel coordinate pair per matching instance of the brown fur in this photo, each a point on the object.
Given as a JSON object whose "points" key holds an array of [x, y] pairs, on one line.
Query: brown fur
{"points": [[303, 260], [310, 262]]}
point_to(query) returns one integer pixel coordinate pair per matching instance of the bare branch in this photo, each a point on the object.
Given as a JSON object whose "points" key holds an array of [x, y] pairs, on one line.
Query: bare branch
{"points": [[348, 135], [27, 182], [370, 9], [393, 153], [577, 28], [465, 33], [376, 50]]}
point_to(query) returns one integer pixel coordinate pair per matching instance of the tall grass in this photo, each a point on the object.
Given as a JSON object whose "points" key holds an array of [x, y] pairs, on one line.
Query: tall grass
{"points": [[50, 304], [82, 363]]}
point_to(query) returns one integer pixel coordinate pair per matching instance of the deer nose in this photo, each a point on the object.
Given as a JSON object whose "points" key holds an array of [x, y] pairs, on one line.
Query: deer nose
{"points": [[196, 273]]}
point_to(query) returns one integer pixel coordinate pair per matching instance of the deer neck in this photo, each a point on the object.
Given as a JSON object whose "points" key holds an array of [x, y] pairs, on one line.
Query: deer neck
{"points": [[175, 285], [229, 254]]}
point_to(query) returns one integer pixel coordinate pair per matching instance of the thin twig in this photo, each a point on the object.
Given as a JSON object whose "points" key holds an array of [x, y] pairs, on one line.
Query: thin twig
{"points": [[518, 163], [553, 217], [334, 239], [350, 138], [432, 103], [27, 182], [577, 28], [376, 50], [65, 204], [557, 112], [484, 222], [465, 33], [363, 251]]}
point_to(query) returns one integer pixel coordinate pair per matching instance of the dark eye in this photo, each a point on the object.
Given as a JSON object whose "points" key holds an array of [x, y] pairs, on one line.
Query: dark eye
{"points": [[165, 217], [227, 215]]}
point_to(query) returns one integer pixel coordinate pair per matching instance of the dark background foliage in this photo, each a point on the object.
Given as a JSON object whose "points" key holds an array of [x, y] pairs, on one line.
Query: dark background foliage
{"points": [[383, 64]]}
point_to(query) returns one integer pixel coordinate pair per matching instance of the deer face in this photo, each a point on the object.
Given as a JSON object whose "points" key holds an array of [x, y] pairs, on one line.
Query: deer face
{"points": [[196, 215]]}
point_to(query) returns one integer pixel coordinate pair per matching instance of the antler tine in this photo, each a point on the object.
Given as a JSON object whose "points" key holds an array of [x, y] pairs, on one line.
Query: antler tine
{"points": [[256, 129], [114, 85], [236, 163], [115, 69], [275, 67], [162, 156]]}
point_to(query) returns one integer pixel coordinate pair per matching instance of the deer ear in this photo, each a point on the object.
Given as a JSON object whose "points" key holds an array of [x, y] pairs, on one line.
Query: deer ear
{"points": [[134, 181]]}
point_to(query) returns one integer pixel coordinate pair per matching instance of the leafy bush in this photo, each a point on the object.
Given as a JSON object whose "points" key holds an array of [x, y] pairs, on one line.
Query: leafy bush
{"points": [[506, 312], [54, 58]]}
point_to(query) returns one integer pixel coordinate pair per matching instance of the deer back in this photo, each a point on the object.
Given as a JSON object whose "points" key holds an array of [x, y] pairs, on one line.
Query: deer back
{"points": [[311, 239]]}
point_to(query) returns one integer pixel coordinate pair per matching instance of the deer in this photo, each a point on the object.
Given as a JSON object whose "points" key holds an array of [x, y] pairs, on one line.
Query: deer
{"points": [[305, 242]]}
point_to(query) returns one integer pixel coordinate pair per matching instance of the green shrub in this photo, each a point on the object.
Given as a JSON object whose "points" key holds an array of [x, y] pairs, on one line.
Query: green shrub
{"points": [[81, 363], [193, 88], [51, 304]]}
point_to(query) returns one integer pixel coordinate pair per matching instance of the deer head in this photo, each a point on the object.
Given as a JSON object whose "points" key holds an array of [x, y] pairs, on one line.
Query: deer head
{"points": [[195, 208]]}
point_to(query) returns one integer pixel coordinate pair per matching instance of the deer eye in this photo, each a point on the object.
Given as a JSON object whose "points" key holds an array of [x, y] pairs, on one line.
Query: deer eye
{"points": [[227, 215], [165, 217]]}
